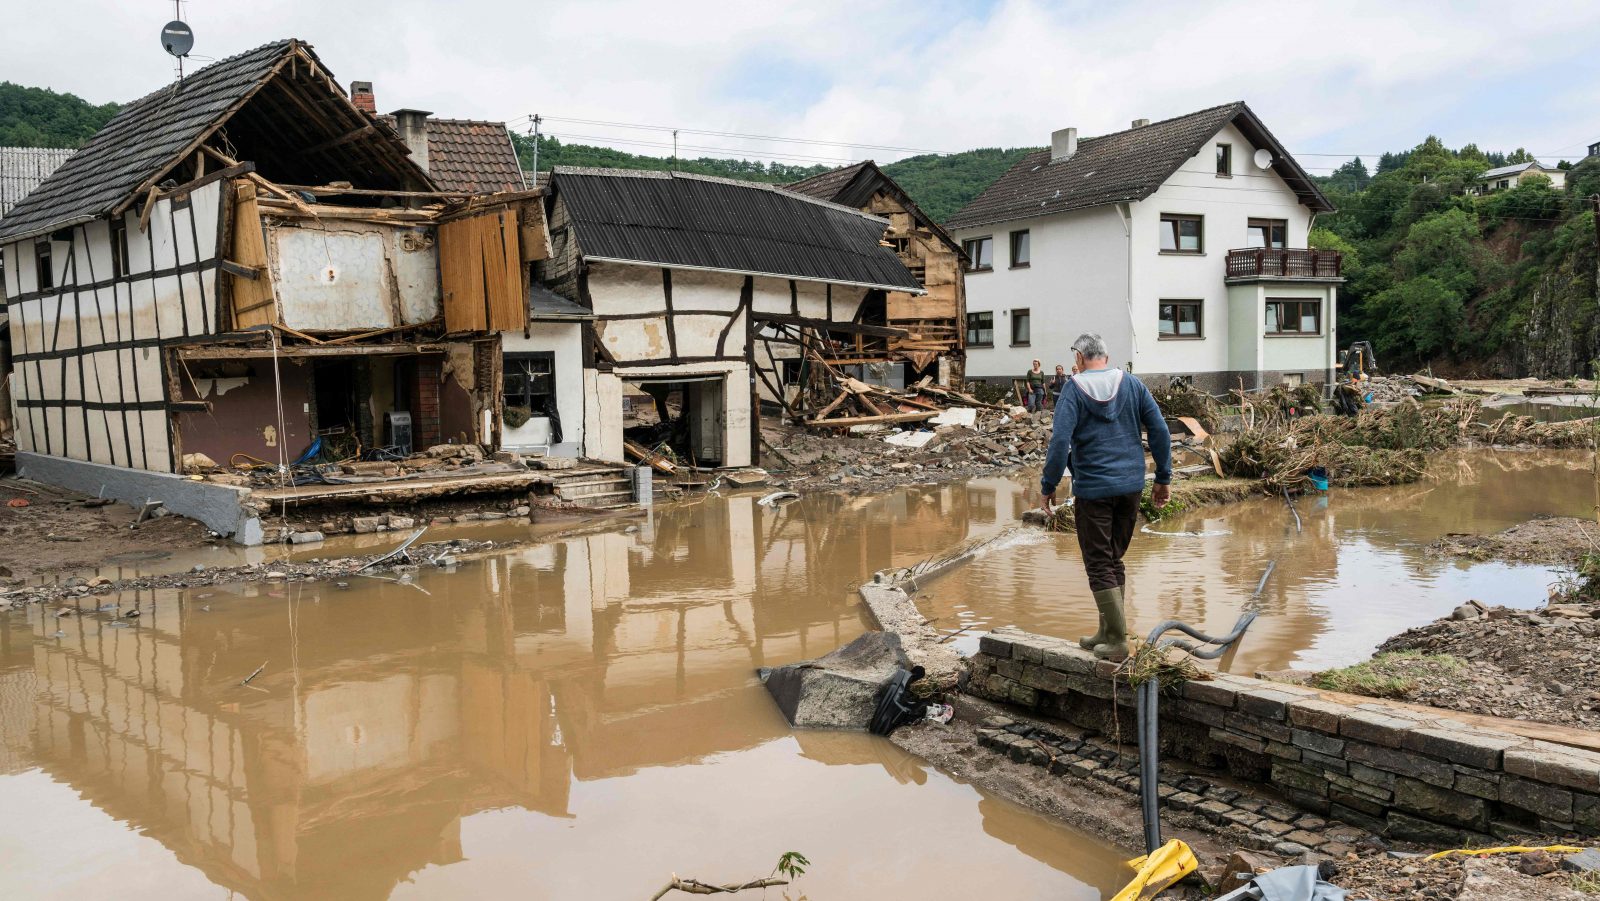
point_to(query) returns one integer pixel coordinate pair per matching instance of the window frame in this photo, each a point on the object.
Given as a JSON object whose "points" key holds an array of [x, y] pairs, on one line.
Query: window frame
{"points": [[120, 266], [1224, 160], [971, 328], [1026, 313], [1279, 332], [1255, 222], [510, 357], [972, 258], [1173, 220], [1199, 305], [1023, 234], [44, 275]]}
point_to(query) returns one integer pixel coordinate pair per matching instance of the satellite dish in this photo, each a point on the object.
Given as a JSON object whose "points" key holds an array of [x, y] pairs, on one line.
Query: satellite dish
{"points": [[1263, 159], [177, 38]]}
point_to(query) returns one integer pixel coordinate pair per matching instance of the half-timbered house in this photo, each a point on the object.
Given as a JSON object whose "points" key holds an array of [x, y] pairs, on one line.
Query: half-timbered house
{"points": [[710, 296]]}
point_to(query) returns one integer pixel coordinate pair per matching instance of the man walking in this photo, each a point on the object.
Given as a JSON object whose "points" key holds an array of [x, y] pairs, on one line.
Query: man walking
{"points": [[1098, 422]]}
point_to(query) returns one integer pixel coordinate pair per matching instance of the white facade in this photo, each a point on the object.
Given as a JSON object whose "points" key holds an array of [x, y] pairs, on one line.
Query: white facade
{"points": [[1507, 177], [1102, 269], [563, 342]]}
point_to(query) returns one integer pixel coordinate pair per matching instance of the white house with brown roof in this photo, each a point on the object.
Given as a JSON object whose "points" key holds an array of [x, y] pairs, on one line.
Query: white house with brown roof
{"points": [[1182, 242]]}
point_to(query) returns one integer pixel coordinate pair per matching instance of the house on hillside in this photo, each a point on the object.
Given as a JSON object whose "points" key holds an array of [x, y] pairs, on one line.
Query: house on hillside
{"points": [[1183, 242], [1504, 178], [934, 321], [709, 297], [246, 265]]}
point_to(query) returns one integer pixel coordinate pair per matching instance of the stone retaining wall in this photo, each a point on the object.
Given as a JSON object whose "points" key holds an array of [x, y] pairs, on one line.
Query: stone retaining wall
{"points": [[1392, 770]]}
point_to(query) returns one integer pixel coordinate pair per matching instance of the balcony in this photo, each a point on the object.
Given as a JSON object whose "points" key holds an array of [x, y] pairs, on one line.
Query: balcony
{"points": [[1251, 263]]}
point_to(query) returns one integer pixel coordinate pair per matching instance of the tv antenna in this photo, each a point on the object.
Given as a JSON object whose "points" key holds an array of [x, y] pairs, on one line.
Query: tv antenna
{"points": [[177, 38]]}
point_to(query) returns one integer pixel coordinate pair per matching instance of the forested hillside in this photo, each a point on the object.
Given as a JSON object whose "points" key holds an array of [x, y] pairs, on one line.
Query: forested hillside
{"points": [[1502, 284], [39, 117], [940, 184]]}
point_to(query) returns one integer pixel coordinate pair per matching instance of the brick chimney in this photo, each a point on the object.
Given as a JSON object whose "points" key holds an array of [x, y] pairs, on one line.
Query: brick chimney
{"points": [[413, 127], [361, 95], [1063, 144]]}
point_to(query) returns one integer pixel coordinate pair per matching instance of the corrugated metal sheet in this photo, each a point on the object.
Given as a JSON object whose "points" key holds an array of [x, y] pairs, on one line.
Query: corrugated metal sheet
{"points": [[24, 168], [674, 219], [138, 142]]}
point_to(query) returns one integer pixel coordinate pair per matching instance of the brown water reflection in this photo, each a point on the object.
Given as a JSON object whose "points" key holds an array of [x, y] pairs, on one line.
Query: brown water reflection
{"points": [[570, 720], [1357, 573]]}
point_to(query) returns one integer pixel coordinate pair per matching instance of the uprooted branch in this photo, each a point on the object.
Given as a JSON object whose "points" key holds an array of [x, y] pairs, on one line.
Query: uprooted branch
{"points": [[696, 887]]}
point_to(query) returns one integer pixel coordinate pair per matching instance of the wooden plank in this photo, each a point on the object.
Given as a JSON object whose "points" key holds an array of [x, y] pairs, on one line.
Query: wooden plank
{"points": [[461, 275], [657, 462], [847, 421], [535, 237], [253, 300], [939, 303], [508, 308]]}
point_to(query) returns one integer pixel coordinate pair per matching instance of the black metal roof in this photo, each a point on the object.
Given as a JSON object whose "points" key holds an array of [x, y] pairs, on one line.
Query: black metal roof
{"points": [[544, 303], [151, 134], [696, 221], [1123, 166]]}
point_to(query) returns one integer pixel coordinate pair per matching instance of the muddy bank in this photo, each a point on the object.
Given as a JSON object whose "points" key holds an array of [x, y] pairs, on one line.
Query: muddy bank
{"points": [[44, 531], [1555, 540], [1535, 876]]}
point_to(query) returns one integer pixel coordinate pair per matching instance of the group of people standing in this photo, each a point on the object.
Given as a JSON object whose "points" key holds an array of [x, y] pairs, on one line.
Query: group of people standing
{"points": [[1042, 386]]}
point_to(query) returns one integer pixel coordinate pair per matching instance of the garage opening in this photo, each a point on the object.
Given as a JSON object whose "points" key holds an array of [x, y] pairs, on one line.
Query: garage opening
{"points": [[681, 418]]}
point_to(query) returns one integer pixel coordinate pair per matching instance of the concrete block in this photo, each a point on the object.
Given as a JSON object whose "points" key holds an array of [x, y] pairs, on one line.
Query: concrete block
{"points": [[1023, 696], [1027, 652], [1215, 812], [366, 525], [1288, 775], [1282, 751], [1315, 741], [1538, 798], [1214, 693], [1585, 861], [1433, 772], [1586, 811], [1372, 776], [305, 537], [1331, 764], [1557, 764], [1238, 721], [1375, 728], [1425, 832], [1478, 784], [1068, 660], [1316, 714], [1268, 703], [994, 646], [1441, 804], [1236, 740], [1472, 747], [401, 522], [220, 508], [1035, 676], [1185, 800]]}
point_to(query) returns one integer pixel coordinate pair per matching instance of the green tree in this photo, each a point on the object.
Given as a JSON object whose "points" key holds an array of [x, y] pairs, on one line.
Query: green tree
{"points": [[39, 117]]}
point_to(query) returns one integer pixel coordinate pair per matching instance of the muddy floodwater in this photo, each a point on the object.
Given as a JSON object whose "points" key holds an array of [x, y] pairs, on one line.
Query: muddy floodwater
{"points": [[1356, 571], [580, 719], [572, 720]]}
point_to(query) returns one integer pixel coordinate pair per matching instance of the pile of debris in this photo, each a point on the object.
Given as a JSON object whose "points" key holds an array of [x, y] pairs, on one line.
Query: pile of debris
{"points": [[1526, 430], [1381, 446], [315, 468], [858, 405]]}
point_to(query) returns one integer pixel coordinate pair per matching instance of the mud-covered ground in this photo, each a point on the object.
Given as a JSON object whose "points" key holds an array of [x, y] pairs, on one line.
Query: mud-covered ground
{"points": [[1534, 876], [54, 532]]}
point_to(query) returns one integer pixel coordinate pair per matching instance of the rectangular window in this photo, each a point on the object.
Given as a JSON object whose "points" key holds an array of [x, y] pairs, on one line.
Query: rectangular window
{"points": [[1181, 234], [980, 254], [42, 268], [980, 329], [1182, 319], [530, 382], [1019, 249], [1021, 328], [1268, 233], [119, 248], [1225, 159], [1294, 317]]}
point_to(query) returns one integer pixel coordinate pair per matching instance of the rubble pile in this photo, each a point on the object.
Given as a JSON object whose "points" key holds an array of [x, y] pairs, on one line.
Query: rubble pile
{"points": [[439, 460], [1381, 446]]}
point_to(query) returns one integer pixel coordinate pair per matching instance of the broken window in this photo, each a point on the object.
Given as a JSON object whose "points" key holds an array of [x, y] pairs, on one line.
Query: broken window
{"points": [[1181, 234], [980, 253], [42, 269], [530, 384], [1294, 317], [1268, 233], [980, 329], [1181, 319]]}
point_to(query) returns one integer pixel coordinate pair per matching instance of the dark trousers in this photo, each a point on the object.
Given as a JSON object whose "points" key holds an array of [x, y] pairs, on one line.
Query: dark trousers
{"points": [[1105, 527]]}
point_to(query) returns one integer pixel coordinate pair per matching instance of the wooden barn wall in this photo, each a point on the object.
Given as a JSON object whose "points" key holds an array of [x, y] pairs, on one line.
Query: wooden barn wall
{"points": [[91, 379]]}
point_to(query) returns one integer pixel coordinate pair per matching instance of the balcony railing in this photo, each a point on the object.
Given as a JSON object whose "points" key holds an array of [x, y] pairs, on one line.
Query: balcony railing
{"points": [[1274, 262]]}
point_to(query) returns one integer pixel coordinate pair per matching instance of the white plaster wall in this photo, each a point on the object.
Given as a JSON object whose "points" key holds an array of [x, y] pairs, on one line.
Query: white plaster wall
{"points": [[381, 276], [602, 416], [1077, 282], [1310, 355], [81, 320], [1227, 205], [565, 340]]}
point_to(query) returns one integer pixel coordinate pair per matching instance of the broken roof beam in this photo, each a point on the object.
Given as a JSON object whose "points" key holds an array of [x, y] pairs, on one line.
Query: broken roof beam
{"points": [[854, 328], [314, 350], [335, 190], [847, 421]]}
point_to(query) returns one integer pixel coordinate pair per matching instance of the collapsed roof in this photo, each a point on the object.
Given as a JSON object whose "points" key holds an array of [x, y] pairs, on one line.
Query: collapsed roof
{"points": [[700, 222], [855, 185], [1122, 167], [277, 105]]}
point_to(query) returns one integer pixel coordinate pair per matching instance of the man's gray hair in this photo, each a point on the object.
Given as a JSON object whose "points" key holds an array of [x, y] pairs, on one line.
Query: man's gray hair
{"points": [[1091, 345]]}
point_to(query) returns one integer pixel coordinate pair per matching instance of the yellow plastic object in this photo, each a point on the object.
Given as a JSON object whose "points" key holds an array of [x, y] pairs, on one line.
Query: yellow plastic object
{"points": [[1510, 849], [1171, 862]]}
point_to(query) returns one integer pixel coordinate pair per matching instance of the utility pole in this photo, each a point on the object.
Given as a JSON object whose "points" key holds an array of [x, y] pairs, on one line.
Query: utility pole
{"points": [[674, 150], [536, 121]]}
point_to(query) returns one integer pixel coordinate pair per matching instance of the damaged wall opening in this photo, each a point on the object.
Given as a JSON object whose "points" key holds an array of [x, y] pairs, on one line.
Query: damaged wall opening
{"points": [[683, 418]]}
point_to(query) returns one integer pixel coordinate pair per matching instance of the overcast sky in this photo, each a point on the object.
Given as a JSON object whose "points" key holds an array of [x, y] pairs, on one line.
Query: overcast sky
{"points": [[1336, 77]]}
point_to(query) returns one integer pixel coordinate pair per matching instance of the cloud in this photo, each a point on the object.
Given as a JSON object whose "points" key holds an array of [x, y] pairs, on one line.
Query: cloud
{"points": [[1360, 76]]}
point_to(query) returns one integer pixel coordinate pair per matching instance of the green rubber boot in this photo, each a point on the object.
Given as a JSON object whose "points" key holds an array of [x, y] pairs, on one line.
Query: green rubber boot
{"points": [[1114, 645], [1105, 599]]}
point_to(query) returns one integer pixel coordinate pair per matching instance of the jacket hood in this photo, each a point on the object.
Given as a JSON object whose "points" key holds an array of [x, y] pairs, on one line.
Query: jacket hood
{"points": [[1103, 395]]}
